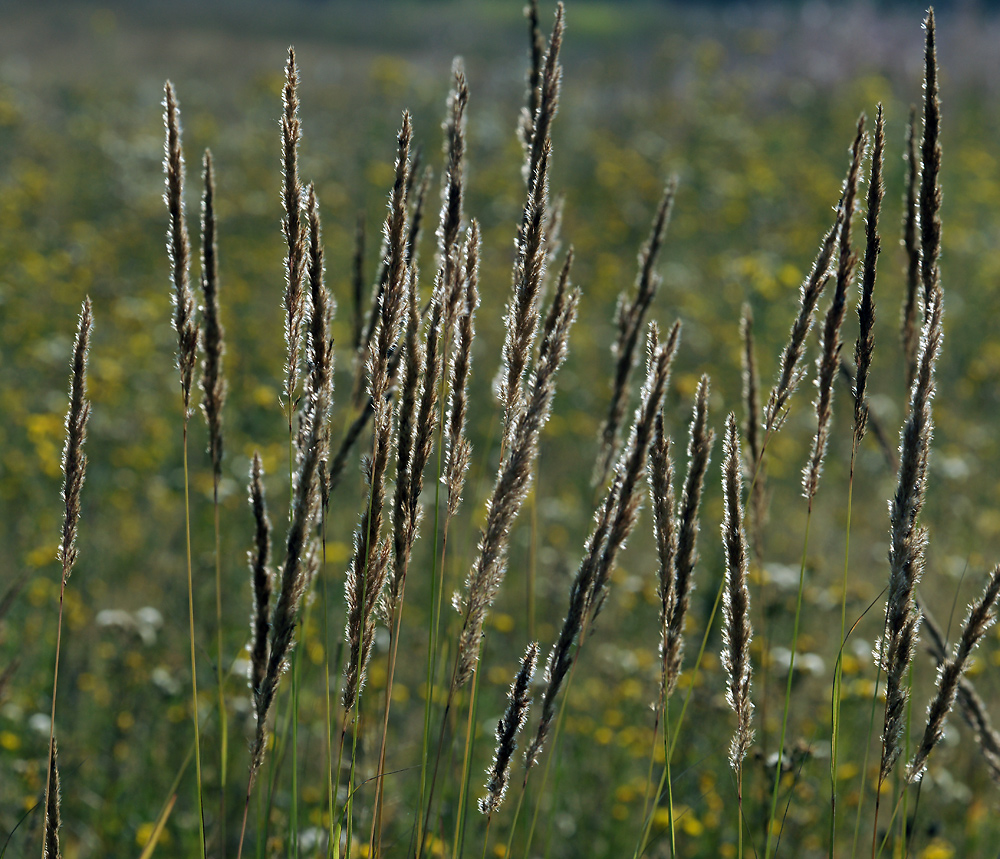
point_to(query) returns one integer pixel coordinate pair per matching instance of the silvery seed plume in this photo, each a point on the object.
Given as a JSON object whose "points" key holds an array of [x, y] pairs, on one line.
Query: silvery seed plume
{"points": [[509, 726], [53, 798], [756, 470], [509, 491], [978, 621], [789, 373], [907, 539], [909, 332], [830, 343], [293, 228], [179, 247], [971, 705], [736, 630], [865, 345], [699, 451], [458, 450], [629, 319], [213, 385], [613, 522], [260, 576]]}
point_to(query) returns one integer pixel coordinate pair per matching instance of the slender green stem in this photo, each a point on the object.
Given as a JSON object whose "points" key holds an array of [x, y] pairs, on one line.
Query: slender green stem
{"points": [[838, 672], [194, 670], [788, 689], [223, 716], [470, 741]]}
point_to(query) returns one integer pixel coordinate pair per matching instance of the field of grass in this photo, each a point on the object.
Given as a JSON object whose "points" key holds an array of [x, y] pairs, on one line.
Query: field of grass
{"points": [[754, 115]]}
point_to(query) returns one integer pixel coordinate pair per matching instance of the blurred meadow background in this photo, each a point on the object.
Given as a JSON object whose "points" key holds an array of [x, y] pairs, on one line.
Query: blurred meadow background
{"points": [[753, 108]]}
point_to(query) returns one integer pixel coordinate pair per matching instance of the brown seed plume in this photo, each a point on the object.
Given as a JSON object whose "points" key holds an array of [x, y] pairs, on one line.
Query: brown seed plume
{"points": [[930, 170], [534, 74], [661, 499]]}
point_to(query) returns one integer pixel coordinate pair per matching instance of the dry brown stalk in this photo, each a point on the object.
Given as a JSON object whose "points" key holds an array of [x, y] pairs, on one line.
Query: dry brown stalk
{"points": [[509, 726], [260, 576], [179, 247], [865, 345], [629, 318], [830, 342], [736, 629], [978, 621]]}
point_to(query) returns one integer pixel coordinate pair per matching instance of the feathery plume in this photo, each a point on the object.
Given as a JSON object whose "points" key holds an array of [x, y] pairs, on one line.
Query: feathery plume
{"points": [[260, 576], [368, 570], [930, 170], [514, 717], [416, 221], [789, 374], [661, 498], [911, 303], [907, 540], [74, 460], [509, 491], [292, 228], [521, 319], [830, 343], [52, 801], [736, 630], [213, 385], [534, 74], [972, 706], [978, 621], [179, 246], [633, 460], [700, 441], [458, 450], [865, 345], [452, 193], [547, 94], [319, 346], [629, 319], [613, 522], [751, 429]]}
